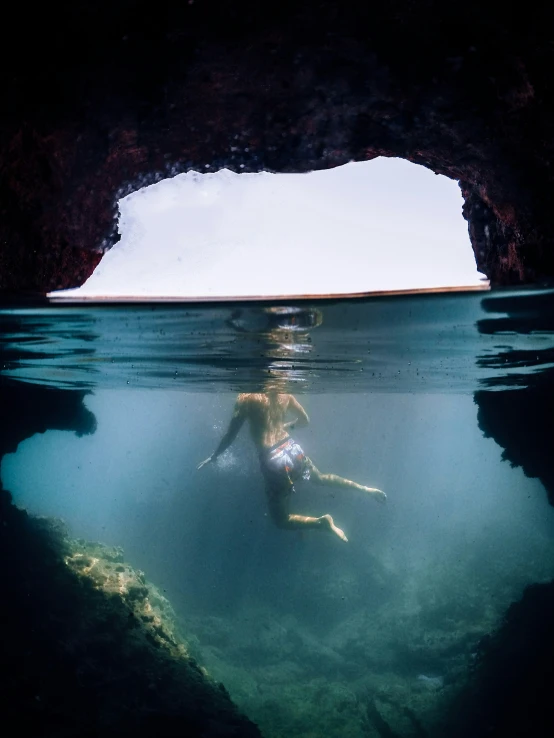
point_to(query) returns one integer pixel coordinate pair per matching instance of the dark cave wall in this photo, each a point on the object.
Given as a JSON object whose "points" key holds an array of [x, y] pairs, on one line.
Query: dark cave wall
{"points": [[104, 99], [78, 657], [84, 655], [509, 695], [28, 409], [520, 421], [516, 406]]}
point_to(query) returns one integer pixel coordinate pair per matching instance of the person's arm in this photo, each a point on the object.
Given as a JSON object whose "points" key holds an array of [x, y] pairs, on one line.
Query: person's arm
{"points": [[302, 418], [239, 416]]}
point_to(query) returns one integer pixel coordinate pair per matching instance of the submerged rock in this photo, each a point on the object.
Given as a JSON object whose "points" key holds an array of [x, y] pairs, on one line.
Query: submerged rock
{"points": [[510, 693], [90, 648], [431, 682]]}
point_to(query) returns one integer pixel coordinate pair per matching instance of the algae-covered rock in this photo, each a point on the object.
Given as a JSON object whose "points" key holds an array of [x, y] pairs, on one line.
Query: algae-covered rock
{"points": [[90, 648], [394, 657]]}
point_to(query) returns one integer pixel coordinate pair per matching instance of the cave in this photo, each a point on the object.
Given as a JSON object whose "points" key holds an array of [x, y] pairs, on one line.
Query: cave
{"points": [[67, 641], [99, 101], [104, 101]]}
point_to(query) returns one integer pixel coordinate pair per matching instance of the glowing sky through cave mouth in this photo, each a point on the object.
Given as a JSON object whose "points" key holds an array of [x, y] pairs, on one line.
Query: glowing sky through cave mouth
{"points": [[363, 227]]}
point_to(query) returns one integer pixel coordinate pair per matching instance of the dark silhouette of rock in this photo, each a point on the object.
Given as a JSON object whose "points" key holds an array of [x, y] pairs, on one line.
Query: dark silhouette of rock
{"points": [[521, 423], [88, 647], [28, 409], [100, 100], [520, 418], [510, 693]]}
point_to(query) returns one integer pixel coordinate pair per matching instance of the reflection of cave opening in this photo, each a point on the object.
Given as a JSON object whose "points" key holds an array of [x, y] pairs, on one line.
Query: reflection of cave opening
{"points": [[386, 224]]}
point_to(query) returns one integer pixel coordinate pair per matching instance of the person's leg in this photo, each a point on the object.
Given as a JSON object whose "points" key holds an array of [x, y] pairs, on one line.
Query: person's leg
{"points": [[333, 480], [279, 503]]}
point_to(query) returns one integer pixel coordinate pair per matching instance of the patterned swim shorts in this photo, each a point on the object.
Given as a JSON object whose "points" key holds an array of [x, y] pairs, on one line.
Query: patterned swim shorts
{"points": [[284, 464]]}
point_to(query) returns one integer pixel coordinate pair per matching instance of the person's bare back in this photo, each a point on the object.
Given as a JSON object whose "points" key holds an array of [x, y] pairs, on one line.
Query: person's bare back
{"points": [[266, 412]]}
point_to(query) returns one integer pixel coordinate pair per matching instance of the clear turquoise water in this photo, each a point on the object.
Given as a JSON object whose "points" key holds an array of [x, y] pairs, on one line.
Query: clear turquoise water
{"points": [[310, 636]]}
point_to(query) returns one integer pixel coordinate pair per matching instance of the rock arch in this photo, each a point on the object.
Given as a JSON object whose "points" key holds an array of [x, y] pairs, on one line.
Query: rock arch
{"points": [[101, 100]]}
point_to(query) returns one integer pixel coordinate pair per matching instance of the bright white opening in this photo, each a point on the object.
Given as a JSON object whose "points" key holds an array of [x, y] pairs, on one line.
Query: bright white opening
{"points": [[371, 226]]}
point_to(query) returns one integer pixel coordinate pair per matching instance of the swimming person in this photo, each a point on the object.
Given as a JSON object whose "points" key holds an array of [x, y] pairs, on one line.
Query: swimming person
{"points": [[281, 459]]}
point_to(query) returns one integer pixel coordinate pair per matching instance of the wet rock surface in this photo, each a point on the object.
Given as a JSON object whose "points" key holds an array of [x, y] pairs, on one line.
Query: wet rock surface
{"points": [[119, 96]]}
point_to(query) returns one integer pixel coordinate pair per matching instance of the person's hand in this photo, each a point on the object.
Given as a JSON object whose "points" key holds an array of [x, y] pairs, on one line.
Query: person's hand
{"points": [[206, 461], [380, 496]]}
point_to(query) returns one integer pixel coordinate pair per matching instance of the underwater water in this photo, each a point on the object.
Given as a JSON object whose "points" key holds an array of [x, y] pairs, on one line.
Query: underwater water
{"points": [[412, 394]]}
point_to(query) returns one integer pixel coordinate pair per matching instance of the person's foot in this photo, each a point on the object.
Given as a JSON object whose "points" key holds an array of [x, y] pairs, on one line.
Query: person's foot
{"points": [[328, 522], [379, 495]]}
